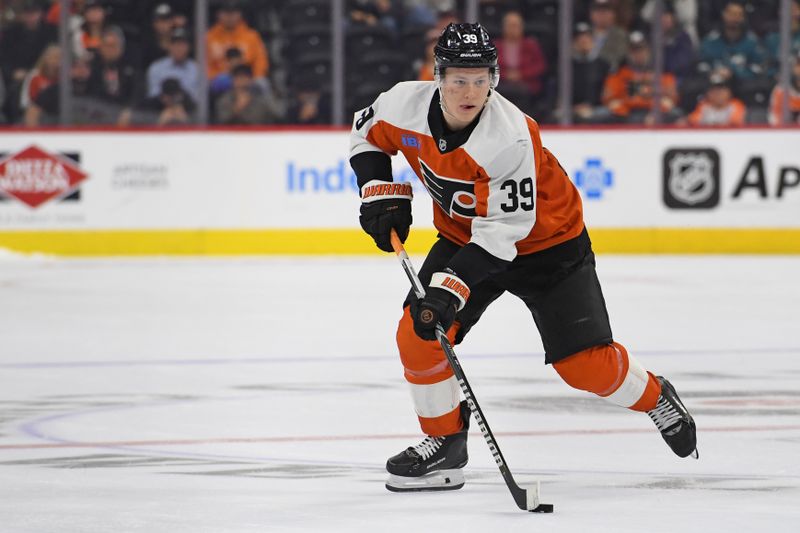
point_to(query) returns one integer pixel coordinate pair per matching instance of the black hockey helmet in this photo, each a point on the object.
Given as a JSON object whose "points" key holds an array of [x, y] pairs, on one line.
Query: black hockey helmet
{"points": [[465, 45]]}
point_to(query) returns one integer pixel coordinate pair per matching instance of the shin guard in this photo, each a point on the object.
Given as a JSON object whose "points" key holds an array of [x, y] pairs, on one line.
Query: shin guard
{"points": [[610, 372], [434, 388]]}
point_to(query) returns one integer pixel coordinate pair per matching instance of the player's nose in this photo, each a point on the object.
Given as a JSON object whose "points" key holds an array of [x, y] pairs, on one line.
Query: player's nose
{"points": [[470, 92]]}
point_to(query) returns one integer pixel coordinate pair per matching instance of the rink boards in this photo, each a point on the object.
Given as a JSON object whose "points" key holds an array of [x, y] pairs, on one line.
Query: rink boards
{"points": [[279, 191]]}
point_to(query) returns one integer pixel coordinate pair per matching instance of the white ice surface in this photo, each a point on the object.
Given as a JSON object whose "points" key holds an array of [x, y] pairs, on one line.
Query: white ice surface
{"points": [[255, 395]]}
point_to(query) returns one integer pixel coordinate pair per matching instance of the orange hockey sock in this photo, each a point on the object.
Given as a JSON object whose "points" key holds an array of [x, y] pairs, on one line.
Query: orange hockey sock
{"points": [[434, 388], [610, 372]]}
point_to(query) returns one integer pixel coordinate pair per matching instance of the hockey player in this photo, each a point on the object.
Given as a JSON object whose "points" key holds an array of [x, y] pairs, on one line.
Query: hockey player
{"points": [[509, 219]]}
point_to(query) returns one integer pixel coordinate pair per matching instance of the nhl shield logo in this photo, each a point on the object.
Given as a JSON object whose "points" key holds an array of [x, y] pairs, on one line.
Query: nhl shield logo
{"points": [[691, 178], [442, 145]]}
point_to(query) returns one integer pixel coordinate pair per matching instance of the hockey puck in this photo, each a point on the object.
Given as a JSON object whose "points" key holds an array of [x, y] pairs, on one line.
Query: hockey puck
{"points": [[543, 508]]}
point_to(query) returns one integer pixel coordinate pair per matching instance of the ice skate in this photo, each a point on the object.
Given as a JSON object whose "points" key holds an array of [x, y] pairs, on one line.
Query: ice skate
{"points": [[433, 464], [674, 422]]}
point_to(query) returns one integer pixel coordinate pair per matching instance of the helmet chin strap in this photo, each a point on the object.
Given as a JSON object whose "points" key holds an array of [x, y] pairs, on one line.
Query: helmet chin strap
{"points": [[443, 107]]}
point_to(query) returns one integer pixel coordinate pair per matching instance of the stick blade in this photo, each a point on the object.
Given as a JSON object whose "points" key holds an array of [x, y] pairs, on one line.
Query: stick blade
{"points": [[543, 508], [532, 503]]}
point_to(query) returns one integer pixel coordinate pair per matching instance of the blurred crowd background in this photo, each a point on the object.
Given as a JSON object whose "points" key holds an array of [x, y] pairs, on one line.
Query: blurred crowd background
{"points": [[260, 62]]}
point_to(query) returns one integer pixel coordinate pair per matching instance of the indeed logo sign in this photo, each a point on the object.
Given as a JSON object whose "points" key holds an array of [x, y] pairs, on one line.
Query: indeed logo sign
{"points": [[335, 179]]}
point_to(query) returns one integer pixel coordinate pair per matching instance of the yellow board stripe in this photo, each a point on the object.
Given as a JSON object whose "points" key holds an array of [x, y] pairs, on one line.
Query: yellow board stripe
{"points": [[355, 242]]}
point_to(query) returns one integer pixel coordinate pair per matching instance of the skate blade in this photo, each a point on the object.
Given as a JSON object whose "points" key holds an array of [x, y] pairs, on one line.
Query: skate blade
{"points": [[439, 480], [695, 454]]}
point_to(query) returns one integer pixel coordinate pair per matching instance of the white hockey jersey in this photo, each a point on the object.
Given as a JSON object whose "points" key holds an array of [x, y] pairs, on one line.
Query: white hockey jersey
{"points": [[493, 183]]}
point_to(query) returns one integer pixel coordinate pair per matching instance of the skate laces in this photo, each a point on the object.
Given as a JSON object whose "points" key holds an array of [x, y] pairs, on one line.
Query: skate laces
{"points": [[665, 414], [429, 446]]}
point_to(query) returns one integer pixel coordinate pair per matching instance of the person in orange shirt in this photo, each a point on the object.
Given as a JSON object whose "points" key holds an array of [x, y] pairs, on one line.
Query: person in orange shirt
{"points": [[425, 71], [44, 74], [90, 34], [719, 107], [776, 99], [628, 93], [231, 30], [53, 16]]}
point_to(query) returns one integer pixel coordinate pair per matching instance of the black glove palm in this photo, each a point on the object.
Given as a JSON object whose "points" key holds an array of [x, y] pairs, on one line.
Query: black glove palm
{"points": [[378, 219], [438, 307]]}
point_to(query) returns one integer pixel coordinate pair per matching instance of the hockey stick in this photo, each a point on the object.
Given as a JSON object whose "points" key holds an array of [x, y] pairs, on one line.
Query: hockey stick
{"points": [[526, 499]]}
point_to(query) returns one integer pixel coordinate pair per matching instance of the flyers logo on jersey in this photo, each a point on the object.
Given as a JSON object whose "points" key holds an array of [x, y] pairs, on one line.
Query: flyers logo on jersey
{"points": [[455, 197]]}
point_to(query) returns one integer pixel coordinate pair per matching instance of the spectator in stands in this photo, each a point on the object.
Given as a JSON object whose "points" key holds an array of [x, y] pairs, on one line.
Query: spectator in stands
{"points": [[75, 19], [685, 15], [718, 107], [777, 96], [90, 35], [588, 76], [390, 13], [425, 70], [21, 46], [626, 13], [628, 93], [178, 64], [157, 41], [173, 105], [45, 73], [362, 13], [373, 13], [772, 42], [610, 41], [141, 13], [113, 80], [232, 31], [445, 17], [733, 52], [180, 20], [522, 62], [223, 82], [761, 14], [422, 13], [245, 104], [53, 16], [679, 54], [24, 39], [44, 109], [309, 106]]}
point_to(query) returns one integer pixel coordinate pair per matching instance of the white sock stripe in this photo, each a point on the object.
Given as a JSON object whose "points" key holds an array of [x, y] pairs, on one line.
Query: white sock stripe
{"points": [[452, 284], [375, 190], [633, 386], [437, 399]]}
